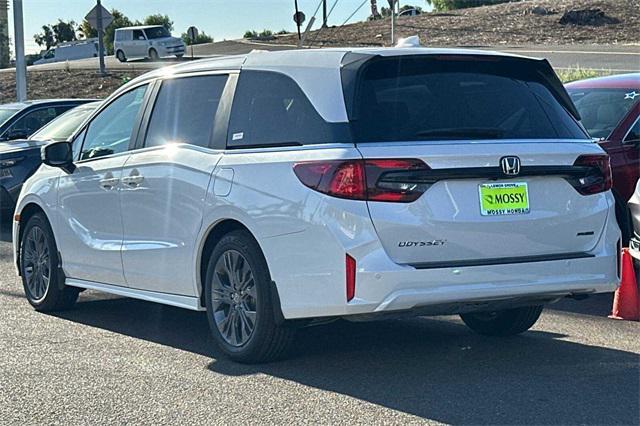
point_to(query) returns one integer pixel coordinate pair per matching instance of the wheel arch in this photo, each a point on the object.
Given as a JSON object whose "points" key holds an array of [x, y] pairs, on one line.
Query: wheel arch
{"points": [[27, 212], [211, 237]]}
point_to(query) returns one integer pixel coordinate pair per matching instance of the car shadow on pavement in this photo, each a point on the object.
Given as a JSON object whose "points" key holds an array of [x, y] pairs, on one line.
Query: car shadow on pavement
{"points": [[432, 368], [595, 305]]}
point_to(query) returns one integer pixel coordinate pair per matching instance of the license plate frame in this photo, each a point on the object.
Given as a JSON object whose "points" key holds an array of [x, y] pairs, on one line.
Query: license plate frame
{"points": [[504, 198]]}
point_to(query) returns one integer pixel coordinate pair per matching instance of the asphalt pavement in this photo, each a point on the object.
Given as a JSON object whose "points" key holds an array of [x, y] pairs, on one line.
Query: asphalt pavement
{"points": [[612, 58], [117, 360]]}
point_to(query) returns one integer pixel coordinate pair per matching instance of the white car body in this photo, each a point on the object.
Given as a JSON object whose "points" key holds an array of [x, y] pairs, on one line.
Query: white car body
{"points": [[70, 51], [137, 42], [143, 234]]}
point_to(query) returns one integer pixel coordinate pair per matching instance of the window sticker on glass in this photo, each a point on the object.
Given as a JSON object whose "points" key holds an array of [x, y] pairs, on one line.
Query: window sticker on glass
{"points": [[238, 136]]}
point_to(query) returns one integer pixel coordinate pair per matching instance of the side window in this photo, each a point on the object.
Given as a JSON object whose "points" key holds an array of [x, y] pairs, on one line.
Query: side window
{"points": [[137, 34], [270, 109], [32, 121], [634, 134], [185, 110], [118, 36], [110, 131]]}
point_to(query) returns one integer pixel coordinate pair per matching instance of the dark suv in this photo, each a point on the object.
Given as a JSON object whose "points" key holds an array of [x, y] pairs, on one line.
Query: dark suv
{"points": [[610, 111], [21, 119]]}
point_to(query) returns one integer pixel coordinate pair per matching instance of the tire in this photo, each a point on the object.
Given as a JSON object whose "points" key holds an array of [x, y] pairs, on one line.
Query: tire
{"points": [[39, 259], [153, 55], [239, 299], [121, 57], [503, 323]]}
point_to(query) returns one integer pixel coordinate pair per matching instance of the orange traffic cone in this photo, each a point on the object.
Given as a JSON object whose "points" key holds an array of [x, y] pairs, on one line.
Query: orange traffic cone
{"points": [[626, 303]]}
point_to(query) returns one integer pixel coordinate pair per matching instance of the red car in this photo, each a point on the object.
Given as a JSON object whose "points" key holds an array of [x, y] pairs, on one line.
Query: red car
{"points": [[610, 108]]}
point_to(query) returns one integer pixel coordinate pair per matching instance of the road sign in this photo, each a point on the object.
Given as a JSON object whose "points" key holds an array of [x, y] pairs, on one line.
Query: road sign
{"points": [[192, 33], [299, 18], [92, 17]]}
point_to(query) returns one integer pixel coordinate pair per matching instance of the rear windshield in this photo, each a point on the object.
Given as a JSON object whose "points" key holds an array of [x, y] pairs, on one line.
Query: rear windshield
{"points": [[420, 99], [602, 109]]}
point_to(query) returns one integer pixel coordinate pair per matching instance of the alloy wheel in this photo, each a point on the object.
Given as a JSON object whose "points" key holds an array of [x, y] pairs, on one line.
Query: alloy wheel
{"points": [[234, 298], [37, 263]]}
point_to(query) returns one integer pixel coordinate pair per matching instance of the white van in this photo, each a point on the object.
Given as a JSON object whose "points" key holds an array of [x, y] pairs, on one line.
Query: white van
{"points": [[70, 51], [149, 41]]}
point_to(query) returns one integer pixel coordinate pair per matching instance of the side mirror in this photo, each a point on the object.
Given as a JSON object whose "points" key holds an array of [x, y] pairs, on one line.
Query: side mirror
{"points": [[58, 154]]}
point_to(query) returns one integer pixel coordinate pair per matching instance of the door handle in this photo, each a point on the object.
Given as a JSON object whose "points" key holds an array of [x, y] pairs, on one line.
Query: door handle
{"points": [[109, 182], [134, 179]]}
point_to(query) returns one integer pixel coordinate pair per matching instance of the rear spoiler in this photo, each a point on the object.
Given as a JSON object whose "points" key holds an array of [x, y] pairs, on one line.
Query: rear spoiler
{"points": [[353, 65]]}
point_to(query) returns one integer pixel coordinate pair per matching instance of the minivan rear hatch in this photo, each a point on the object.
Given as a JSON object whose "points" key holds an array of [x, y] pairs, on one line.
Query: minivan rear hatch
{"points": [[490, 151]]}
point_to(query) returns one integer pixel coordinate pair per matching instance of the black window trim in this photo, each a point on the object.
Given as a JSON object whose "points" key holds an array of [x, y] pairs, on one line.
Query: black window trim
{"points": [[136, 125]]}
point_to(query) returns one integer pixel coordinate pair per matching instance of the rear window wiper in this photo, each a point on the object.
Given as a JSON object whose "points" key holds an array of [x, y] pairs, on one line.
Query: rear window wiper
{"points": [[462, 133]]}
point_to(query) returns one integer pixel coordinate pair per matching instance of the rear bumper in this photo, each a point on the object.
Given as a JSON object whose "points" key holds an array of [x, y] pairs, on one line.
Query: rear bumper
{"points": [[539, 281], [309, 270]]}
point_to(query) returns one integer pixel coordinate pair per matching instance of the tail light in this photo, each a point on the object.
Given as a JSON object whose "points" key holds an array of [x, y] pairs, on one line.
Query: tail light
{"points": [[350, 264], [373, 180], [597, 177]]}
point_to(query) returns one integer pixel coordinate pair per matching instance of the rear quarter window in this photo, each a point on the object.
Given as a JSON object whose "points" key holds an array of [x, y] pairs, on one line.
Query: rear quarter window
{"points": [[270, 109]]}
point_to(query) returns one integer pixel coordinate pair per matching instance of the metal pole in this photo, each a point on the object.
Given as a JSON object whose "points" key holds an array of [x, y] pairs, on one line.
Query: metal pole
{"points": [[324, 13], [393, 22], [21, 65], [103, 71], [297, 24]]}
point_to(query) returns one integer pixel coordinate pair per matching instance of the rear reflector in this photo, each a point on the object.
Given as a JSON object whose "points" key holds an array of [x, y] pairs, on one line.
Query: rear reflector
{"points": [[350, 277], [372, 180]]}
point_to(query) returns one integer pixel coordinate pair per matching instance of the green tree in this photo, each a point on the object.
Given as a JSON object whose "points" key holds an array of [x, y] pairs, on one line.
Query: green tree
{"points": [[250, 34], [59, 32], [64, 31], [45, 38], [202, 38], [159, 19], [442, 5]]}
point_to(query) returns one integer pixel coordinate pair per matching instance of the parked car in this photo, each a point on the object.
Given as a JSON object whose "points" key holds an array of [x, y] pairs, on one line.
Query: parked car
{"points": [[70, 51], [20, 120], [19, 159], [610, 111], [149, 41], [369, 183]]}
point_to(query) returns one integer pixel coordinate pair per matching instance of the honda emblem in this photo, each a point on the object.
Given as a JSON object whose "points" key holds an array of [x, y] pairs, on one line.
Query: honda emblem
{"points": [[510, 166]]}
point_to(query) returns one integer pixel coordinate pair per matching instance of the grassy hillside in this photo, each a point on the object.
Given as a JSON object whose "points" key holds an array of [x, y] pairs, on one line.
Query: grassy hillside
{"points": [[523, 22]]}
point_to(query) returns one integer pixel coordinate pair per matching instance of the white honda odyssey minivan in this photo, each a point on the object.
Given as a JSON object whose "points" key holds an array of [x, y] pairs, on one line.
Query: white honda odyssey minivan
{"points": [[277, 190]]}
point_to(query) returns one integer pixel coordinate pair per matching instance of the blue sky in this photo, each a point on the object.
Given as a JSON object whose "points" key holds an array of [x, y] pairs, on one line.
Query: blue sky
{"points": [[222, 19]]}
